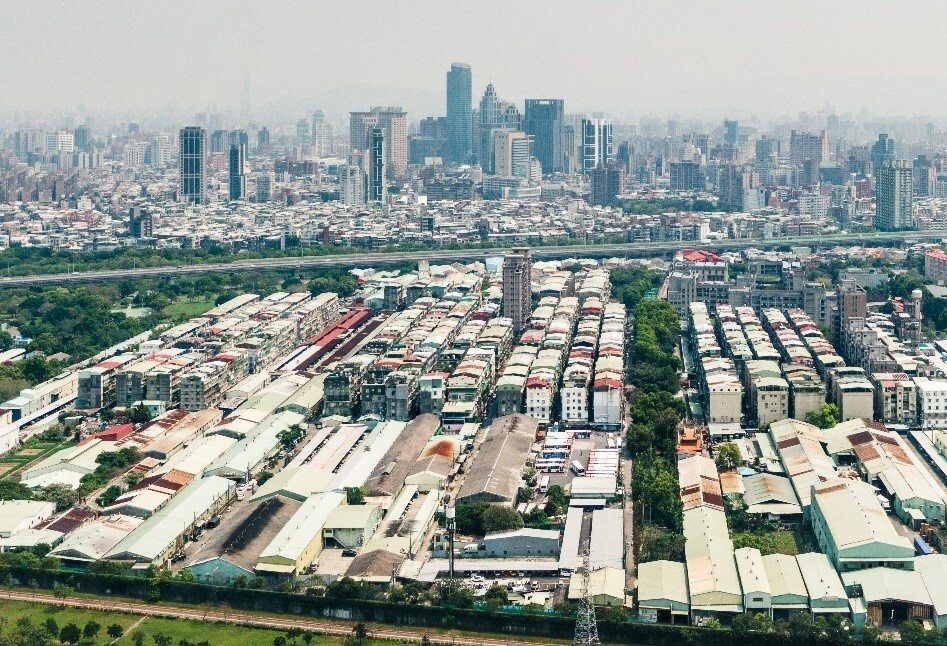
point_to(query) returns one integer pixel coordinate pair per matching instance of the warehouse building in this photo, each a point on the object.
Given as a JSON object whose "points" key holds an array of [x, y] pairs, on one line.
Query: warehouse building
{"points": [[823, 585], [757, 593], [389, 475], [93, 540], [607, 544], [20, 515], [67, 466], [234, 547], [606, 587], [714, 583], [246, 457], [889, 597], [853, 530], [805, 461], [436, 464], [496, 470], [522, 542], [155, 540], [772, 497], [662, 592], [788, 594], [300, 540]]}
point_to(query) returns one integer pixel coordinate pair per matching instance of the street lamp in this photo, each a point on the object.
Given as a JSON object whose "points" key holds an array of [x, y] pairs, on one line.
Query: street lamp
{"points": [[451, 515]]}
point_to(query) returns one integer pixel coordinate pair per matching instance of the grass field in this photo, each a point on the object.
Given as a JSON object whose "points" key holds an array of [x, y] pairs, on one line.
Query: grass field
{"points": [[781, 541], [187, 308], [176, 629]]}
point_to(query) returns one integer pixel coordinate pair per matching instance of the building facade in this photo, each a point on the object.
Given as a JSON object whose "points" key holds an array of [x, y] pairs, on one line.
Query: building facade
{"points": [[192, 165], [459, 113]]}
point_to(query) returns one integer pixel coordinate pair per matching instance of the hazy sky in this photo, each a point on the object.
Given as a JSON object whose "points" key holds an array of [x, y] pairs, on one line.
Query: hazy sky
{"points": [[627, 58]]}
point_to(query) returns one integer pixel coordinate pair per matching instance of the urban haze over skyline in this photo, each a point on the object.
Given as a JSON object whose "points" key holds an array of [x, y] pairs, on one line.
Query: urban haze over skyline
{"points": [[628, 59]]}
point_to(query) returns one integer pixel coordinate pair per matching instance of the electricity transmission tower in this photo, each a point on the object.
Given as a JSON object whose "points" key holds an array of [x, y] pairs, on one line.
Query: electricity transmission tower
{"points": [[586, 628]]}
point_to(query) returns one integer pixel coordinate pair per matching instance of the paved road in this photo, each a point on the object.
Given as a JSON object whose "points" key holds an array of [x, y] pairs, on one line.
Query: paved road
{"points": [[326, 627], [370, 259]]}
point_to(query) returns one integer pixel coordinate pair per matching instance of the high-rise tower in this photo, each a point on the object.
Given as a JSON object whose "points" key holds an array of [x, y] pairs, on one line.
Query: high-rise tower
{"points": [[459, 113], [894, 189], [238, 174], [597, 147], [377, 166], [516, 287], [192, 165], [544, 119]]}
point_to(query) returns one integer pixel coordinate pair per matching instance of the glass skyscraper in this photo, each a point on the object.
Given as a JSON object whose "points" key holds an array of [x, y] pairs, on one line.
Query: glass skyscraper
{"points": [[545, 120], [459, 113], [192, 165], [238, 175]]}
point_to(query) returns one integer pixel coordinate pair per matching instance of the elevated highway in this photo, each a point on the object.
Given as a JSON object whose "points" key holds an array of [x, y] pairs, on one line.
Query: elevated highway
{"points": [[368, 259]]}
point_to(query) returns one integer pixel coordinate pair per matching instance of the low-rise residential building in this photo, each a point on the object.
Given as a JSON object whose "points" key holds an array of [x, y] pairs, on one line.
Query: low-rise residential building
{"points": [[931, 402]]}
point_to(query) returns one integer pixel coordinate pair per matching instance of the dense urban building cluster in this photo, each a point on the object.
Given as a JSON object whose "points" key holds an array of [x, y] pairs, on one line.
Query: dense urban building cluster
{"points": [[740, 424]]}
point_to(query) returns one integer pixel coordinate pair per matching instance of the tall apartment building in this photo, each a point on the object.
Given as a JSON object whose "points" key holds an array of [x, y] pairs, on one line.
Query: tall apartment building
{"points": [[807, 151], [608, 182], [218, 141], [545, 120], [238, 173], [894, 190], [517, 294], [805, 145], [687, 176], [377, 163], [352, 180], [321, 135], [192, 165], [393, 122], [160, 154], [459, 113], [512, 151], [134, 154], [881, 151], [597, 149]]}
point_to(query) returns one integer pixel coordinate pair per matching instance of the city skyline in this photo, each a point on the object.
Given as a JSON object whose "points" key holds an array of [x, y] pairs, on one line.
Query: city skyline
{"points": [[631, 65]]}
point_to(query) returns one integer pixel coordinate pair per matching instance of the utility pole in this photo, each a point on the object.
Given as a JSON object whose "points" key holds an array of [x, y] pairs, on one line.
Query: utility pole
{"points": [[586, 627]]}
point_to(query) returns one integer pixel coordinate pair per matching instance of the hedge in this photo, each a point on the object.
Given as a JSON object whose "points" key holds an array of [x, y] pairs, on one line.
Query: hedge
{"points": [[537, 625]]}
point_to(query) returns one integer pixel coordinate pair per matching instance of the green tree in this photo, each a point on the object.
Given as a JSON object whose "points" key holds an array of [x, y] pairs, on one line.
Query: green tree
{"points": [[498, 518], [750, 622], [469, 518], [460, 597], [91, 629], [70, 634], [114, 631], [912, 633], [62, 591], [51, 627], [556, 501], [141, 414], [160, 639], [63, 495], [14, 491], [138, 638], [496, 596], [729, 456], [355, 495], [826, 416], [536, 518]]}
